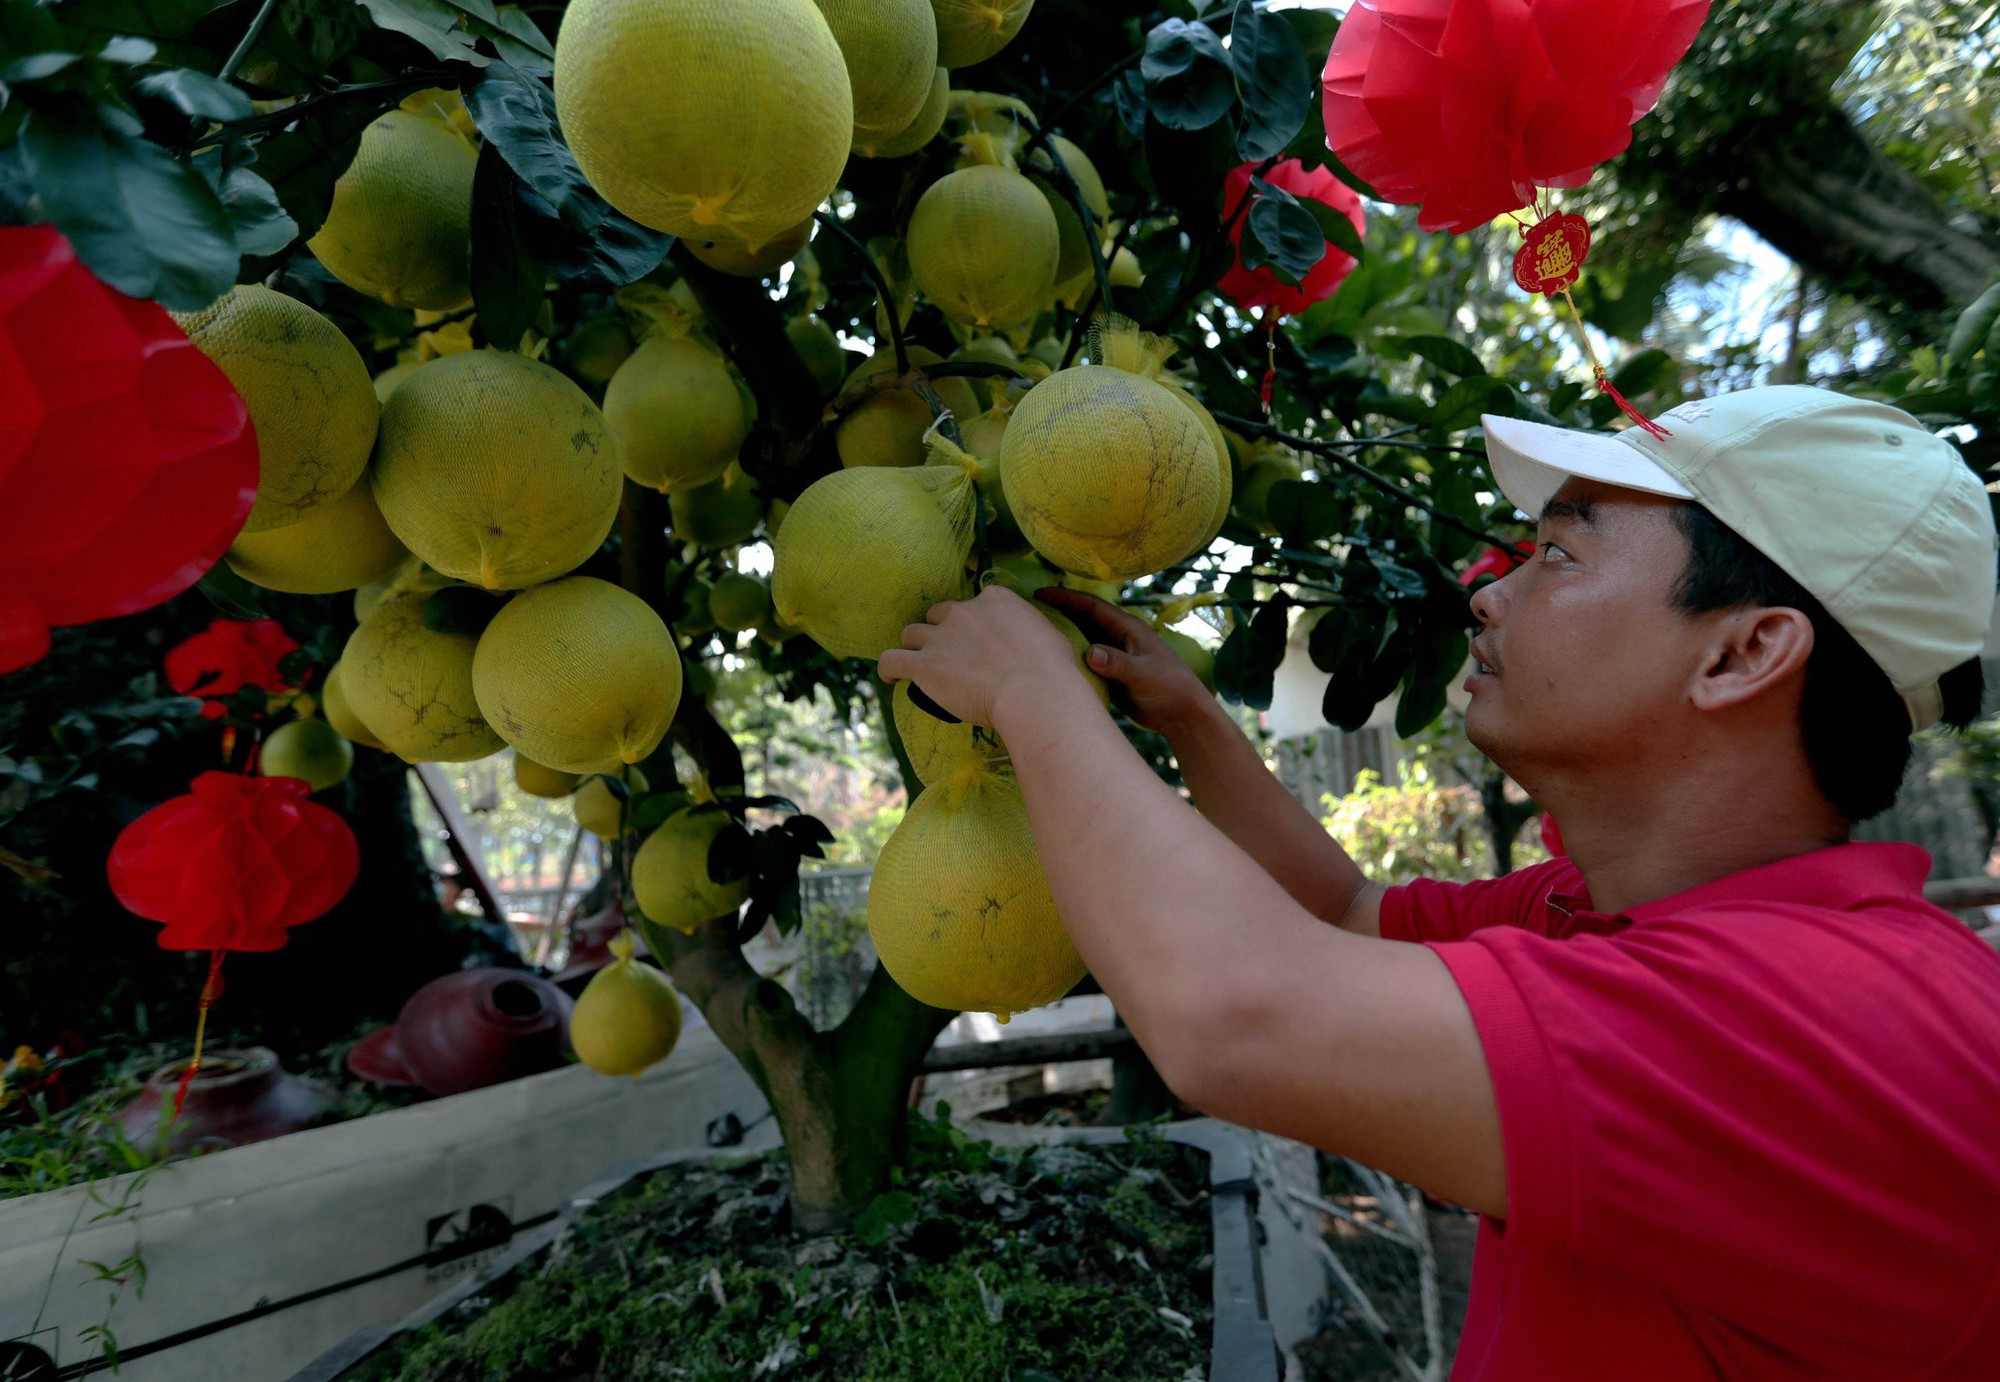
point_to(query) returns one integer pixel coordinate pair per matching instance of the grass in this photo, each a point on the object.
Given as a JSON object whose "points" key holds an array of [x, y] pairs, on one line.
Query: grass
{"points": [[1047, 1264]]}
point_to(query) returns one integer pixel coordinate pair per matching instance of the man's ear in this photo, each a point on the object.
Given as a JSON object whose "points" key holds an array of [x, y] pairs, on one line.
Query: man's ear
{"points": [[1755, 651]]}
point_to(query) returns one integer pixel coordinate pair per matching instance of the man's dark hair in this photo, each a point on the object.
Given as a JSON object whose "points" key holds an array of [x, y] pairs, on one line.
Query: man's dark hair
{"points": [[1854, 725]]}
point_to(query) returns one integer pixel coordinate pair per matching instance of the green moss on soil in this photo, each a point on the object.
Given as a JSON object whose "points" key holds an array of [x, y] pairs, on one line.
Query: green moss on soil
{"points": [[984, 1264]]}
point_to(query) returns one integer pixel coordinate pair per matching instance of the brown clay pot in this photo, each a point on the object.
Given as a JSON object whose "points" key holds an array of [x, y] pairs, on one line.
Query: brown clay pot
{"points": [[468, 1030], [236, 1097]]}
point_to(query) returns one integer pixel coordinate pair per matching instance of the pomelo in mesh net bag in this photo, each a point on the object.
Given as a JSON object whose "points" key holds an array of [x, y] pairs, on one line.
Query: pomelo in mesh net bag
{"points": [[311, 750], [891, 52], [413, 686], [496, 469], [308, 393], [721, 513], [971, 31], [732, 256], [1108, 472], [628, 1016], [958, 907], [674, 408], [865, 552], [578, 674], [670, 878], [922, 129], [984, 245], [737, 602], [705, 118], [341, 545], [340, 714], [888, 428], [598, 808], [1074, 266], [539, 780], [399, 226]]}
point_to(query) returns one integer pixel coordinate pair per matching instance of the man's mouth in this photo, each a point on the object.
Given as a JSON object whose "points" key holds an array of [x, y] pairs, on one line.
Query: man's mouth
{"points": [[1480, 661]]}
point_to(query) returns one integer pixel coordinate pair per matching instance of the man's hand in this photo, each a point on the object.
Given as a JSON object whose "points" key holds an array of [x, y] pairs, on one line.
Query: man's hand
{"points": [[969, 655], [1154, 687]]}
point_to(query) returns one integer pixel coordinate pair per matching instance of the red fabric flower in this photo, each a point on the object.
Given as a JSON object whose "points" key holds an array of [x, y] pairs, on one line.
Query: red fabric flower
{"points": [[1253, 288], [233, 863], [1467, 106], [127, 460], [227, 655], [1495, 562]]}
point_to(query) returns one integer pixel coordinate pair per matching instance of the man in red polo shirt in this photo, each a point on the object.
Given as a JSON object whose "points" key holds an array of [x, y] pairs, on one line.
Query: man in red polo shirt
{"points": [[1724, 1088]]}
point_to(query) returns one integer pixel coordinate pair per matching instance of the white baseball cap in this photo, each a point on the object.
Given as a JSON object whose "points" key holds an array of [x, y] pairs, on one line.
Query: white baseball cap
{"points": [[1881, 521]]}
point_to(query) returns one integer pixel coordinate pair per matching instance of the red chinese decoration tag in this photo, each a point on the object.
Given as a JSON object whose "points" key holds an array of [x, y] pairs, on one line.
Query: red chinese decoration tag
{"points": [[1551, 256]]}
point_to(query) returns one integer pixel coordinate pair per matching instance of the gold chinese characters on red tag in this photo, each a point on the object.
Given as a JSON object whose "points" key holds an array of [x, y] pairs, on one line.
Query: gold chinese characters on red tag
{"points": [[1552, 253]]}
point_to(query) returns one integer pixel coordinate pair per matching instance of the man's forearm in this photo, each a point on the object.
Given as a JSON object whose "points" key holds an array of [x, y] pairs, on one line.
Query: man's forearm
{"points": [[1232, 787]]}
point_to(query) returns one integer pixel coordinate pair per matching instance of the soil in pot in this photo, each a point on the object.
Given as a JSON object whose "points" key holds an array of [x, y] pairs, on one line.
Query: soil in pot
{"points": [[983, 1264]]}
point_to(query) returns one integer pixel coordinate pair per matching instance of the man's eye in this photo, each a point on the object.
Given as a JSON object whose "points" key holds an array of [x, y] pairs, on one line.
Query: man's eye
{"points": [[1548, 547]]}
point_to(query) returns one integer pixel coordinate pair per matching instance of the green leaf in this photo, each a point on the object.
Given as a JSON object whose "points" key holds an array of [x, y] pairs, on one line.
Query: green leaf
{"points": [[1644, 372], [1188, 167], [1188, 81], [235, 597], [262, 228], [37, 67], [196, 93], [883, 1215], [1565, 396], [1335, 227], [1335, 635], [506, 279], [432, 23], [1451, 356], [732, 854], [146, 225], [1271, 79], [1460, 406], [1438, 659], [303, 161], [128, 50], [1305, 511], [1968, 333], [518, 42], [1282, 234], [1248, 659]]}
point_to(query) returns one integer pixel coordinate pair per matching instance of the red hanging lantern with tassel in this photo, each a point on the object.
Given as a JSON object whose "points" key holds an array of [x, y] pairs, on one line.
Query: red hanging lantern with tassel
{"points": [[127, 460], [1469, 109], [1252, 289]]}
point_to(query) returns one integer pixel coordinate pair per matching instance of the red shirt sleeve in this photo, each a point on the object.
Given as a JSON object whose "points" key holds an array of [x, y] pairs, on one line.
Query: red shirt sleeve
{"points": [[1782, 1114], [1428, 910]]}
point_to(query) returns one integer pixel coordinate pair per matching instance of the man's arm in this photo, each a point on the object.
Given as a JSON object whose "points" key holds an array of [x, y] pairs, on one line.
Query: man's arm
{"points": [[1253, 1010], [1232, 787]]}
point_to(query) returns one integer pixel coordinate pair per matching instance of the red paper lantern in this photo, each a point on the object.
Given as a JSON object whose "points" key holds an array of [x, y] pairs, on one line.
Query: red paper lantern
{"points": [[1467, 106], [227, 655], [233, 863], [1259, 287], [127, 460], [1495, 561]]}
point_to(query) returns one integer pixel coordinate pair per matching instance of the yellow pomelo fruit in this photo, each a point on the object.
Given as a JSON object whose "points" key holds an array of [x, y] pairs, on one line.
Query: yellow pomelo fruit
{"points": [[598, 808], [891, 52], [675, 411], [819, 349], [496, 470], [732, 256], [1077, 163], [984, 246], [1225, 472], [705, 118], [1196, 654], [540, 780], [445, 106], [774, 518], [1074, 266], [413, 686], [308, 392], [341, 545], [1024, 572], [738, 602], [959, 909], [399, 227], [776, 631], [887, 429], [1108, 591], [721, 513], [628, 1016], [390, 379], [334, 706], [921, 130], [1253, 497], [597, 349], [971, 31], [936, 747], [1108, 474], [310, 749], [866, 552], [1124, 270], [670, 878], [578, 674]]}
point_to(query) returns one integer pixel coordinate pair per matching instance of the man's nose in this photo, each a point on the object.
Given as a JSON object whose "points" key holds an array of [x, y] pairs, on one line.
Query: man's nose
{"points": [[1485, 604]]}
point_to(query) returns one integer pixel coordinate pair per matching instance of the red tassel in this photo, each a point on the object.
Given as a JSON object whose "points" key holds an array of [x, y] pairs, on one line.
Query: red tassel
{"points": [[1639, 419]]}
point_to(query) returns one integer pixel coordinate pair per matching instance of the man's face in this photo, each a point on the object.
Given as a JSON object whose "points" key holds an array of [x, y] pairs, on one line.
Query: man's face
{"points": [[1591, 664]]}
